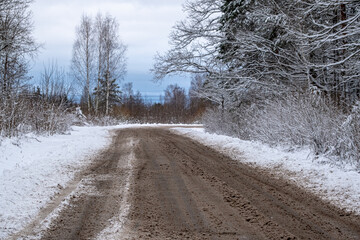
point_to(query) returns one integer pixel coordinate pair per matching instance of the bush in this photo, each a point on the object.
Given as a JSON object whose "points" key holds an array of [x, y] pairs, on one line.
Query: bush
{"points": [[29, 114], [348, 145], [302, 120]]}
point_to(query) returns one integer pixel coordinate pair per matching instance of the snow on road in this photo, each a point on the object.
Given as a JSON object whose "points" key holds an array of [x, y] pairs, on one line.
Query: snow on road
{"points": [[116, 228], [339, 186], [34, 169]]}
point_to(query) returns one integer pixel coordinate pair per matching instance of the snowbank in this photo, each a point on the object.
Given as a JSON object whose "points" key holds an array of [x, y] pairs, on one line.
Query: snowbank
{"points": [[339, 186], [33, 169]]}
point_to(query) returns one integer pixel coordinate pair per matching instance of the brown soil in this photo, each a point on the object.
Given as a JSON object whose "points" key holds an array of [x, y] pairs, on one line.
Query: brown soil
{"points": [[184, 190]]}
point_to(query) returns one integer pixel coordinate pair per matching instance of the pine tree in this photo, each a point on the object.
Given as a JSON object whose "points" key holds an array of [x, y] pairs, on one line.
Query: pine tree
{"points": [[108, 93]]}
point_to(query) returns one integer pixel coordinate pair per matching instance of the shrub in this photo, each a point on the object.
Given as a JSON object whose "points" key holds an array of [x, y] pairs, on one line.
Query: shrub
{"points": [[301, 120]]}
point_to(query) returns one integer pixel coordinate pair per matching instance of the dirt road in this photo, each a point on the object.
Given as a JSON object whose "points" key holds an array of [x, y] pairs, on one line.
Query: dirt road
{"points": [[152, 184]]}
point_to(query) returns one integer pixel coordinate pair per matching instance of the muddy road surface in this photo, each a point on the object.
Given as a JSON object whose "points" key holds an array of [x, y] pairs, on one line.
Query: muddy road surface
{"points": [[153, 184]]}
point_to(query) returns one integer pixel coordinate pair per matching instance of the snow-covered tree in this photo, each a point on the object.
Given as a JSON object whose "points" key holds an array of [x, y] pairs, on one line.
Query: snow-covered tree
{"points": [[17, 44], [331, 43], [256, 49], [17, 47], [194, 42]]}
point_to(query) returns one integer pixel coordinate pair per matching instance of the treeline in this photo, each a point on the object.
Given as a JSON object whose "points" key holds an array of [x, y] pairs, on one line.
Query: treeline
{"points": [[47, 105], [17, 46], [98, 66], [99, 63], [43, 107], [175, 106], [278, 71]]}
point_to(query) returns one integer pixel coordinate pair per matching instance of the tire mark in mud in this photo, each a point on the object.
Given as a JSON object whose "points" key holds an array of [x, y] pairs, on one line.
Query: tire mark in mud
{"points": [[96, 202], [153, 184], [186, 190]]}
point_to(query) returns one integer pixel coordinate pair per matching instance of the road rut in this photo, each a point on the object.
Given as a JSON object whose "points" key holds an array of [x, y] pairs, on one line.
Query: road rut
{"points": [[175, 188], [183, 189]]}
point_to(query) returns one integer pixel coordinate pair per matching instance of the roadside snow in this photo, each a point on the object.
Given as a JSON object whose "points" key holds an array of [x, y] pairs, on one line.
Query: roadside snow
{"points": [[339, 186], [34, 169], [116, 228]]}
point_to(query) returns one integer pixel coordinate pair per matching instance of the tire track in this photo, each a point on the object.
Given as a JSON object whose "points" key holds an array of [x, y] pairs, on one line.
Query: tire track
{"points": [[153, 184], [186, 190]]}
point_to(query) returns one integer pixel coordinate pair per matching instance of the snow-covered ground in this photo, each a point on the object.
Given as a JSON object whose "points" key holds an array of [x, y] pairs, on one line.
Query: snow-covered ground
{"points": [[339, 186], [34, 169]]}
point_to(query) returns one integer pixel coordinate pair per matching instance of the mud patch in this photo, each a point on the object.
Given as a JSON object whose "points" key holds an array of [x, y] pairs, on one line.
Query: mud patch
{"points": [[184, 190], [152, 184], [96, 198]]}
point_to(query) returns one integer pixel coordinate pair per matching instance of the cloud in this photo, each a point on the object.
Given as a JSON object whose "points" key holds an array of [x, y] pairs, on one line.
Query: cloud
{"points": [[144, 26]]}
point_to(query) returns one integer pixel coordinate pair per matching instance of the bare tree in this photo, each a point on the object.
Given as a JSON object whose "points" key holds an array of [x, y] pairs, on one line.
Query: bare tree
{"points": [[194, 42], [175, 103], [98, 53], [17, 47], [83, 57], [16, 44], [99, 34], [55, 85], [111, 60]]}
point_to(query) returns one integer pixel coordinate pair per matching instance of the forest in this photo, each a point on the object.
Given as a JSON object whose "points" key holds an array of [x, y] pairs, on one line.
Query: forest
{"points": [[280, 72], [53, 103]]}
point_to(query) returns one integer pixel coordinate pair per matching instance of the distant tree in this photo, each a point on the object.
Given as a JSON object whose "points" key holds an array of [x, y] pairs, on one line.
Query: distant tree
{"points": [[175, 103], [109, 94], [55, 84], [157, 113], [127, 95], [111, 59], [82, 64], [198, 98], [139, 110]]}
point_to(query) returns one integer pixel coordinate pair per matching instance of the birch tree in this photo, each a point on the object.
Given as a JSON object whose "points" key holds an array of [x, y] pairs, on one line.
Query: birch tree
{"points": [[82, 64], [111, 61], [99, 34], [99, 59]]}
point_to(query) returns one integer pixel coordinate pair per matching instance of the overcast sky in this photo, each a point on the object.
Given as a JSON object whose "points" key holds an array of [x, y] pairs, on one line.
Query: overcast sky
{"points": [[144, 27]]}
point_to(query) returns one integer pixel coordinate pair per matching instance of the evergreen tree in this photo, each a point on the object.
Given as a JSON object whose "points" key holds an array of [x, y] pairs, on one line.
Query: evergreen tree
{"points": [[109, 94]]}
